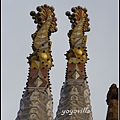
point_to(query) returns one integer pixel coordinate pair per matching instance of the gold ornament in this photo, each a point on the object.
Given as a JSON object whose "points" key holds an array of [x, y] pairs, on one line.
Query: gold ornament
{"points": [[43, 56]]}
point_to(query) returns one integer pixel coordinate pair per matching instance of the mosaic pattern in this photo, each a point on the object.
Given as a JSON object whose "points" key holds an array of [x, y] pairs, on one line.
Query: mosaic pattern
{"points": [[75, 93], [37, 101]]}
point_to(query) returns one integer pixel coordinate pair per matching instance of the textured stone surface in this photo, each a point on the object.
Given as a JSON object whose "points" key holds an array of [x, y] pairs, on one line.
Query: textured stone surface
{"points": [[112, 102], [75, 96], [33, 106]]}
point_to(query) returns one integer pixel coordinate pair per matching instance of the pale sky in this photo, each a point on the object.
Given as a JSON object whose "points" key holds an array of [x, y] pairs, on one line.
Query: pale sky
{"points": [[102, 46]]}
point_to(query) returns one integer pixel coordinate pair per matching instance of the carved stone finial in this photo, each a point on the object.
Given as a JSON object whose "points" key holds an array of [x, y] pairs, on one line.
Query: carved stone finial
{"points": [[112, 93]]}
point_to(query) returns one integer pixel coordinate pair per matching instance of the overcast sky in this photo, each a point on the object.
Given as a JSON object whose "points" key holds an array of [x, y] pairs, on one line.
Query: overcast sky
{"points": [[102, 46]]}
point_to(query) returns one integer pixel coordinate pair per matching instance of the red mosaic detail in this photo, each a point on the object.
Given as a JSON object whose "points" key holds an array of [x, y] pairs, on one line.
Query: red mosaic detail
{"points": [[44, 72], [31, 83], [69, 77], [70, 66], [80, 12], [81, 66], [33, 72]]}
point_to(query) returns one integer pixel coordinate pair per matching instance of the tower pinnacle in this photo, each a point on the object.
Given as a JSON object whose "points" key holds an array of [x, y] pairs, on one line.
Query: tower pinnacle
{"points": [[74, 103], [37, 101]]}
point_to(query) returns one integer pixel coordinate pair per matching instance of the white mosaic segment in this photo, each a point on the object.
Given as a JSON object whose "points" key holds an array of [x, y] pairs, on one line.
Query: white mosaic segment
{"points": [[38, 63], [75, 75], [41, 36], [38, 82], [49, 104]]}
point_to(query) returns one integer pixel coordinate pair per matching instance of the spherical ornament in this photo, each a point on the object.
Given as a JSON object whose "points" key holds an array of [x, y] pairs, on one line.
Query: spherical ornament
{"points": [[67, 13], [49, 62], [79, 7], [84, 56], [85, 9], [79, 52], [32, 13], [45, 5], [73, 9], [35, 21], [88, 28], [33, 17], [55, 18], [52, 8], [56, 29], [39, 8], [70, 17], [43, 56]]}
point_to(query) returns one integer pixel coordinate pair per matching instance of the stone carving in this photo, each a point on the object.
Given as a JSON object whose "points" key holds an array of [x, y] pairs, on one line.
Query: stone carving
{"points": [[112, 93], [112, 102]]}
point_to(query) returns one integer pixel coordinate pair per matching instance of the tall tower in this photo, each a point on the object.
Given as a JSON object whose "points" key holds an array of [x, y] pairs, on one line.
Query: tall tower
{"points": [[37, 101], [74, 103]]}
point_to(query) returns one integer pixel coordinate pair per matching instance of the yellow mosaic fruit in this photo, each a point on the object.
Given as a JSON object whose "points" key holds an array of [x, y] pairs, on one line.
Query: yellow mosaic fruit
{"points": [[78, 51], [84, 56], [43, 56], [49, 62]]}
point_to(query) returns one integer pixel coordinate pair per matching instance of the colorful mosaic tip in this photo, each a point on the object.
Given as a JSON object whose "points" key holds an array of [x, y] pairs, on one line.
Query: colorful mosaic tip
{"points": [[45, 13], [79, 15]]}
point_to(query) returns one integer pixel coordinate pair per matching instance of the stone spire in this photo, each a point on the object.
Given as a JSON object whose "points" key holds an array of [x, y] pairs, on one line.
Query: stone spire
{"points": [[37, 101], [74, 103], [112, 102]]}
